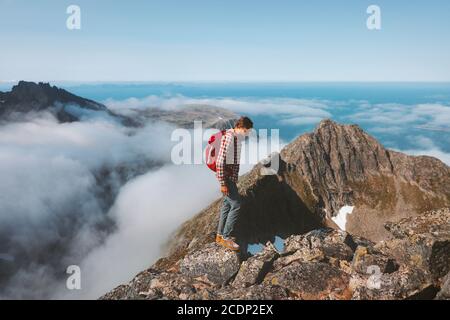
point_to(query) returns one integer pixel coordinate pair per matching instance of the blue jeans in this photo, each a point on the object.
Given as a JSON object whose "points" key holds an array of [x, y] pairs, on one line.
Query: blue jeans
{"points": [[230, 210]]}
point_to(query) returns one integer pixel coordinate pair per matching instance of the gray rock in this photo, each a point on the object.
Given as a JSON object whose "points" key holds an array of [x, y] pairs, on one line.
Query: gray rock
{"points": [[406, 283], [253, 270], [444, 293], [136, 288], [318, 245], [217, 263], [312, 280], [435, 224], [422, 242], [255, 292], [366, 259], [154, 285]]}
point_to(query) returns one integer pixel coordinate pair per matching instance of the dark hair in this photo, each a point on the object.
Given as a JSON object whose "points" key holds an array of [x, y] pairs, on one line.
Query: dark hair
{"points": [[244, 122]]}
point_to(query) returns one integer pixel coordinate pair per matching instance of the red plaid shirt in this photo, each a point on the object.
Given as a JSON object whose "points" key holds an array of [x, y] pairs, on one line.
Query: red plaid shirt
{"points": [[227, 162]]}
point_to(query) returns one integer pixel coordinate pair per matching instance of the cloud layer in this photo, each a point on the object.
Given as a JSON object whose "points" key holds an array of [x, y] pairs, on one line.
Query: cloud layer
{"points": [[52, 207]]}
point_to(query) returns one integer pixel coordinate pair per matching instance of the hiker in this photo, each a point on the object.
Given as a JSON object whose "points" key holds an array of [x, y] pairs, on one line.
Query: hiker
{"points": [[227, 172]]}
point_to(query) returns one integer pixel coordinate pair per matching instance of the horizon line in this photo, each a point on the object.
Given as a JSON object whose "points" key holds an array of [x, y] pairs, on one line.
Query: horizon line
{"points": [[223, 81]]}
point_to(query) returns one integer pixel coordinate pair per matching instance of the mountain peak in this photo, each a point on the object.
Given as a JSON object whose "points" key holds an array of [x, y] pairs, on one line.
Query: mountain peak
{"points": [[30, 90], [332, 126], [29, 84], [326, 123], [42, 95], [29, 96], [343, 165]]}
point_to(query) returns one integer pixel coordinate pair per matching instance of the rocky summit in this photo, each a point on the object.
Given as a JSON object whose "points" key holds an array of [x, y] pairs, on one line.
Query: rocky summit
{"points": [[321, 264], [395, 243]]}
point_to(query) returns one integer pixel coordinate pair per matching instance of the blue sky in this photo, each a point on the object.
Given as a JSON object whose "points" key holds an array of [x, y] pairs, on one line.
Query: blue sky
{"points": [[232, 40]]}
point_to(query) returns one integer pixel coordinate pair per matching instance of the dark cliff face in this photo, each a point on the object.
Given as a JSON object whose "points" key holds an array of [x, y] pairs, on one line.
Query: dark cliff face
{"points": [[28, 97], [319, 173]]}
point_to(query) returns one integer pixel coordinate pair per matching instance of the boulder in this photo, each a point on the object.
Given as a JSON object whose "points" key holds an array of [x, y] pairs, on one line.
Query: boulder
{"points": [[215, 262], [405, 283], [312, 281], [325, 245], [253, 270], [444, 293], [366, 260], [422, 242], [255, 292]]}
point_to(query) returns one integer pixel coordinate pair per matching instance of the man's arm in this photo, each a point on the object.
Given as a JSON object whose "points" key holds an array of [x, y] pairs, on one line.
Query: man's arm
{"points": [[222, 156]]}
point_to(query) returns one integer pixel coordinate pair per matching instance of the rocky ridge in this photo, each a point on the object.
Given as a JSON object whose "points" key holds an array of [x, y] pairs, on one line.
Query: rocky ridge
{"points": [[321, 264], [396, 236]]}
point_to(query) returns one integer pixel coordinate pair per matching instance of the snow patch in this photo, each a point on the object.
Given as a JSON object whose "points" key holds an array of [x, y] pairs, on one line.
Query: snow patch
{"points": [[341, 217]]}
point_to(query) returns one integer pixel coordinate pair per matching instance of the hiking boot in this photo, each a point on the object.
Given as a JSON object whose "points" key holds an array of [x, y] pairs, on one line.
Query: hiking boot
{"points": [[219, 238], [230, 243]]}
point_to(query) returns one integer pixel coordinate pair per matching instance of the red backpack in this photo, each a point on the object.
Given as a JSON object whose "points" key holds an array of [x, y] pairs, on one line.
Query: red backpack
{"points": [[211, 148]]}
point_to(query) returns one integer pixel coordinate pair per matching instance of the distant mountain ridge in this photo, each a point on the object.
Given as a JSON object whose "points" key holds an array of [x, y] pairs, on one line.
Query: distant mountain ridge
{"points": [[28, 97], [185, 115]]}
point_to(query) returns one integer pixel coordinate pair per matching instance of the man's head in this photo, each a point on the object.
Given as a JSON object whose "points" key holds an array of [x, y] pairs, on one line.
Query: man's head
{"points": [[243, 126]]}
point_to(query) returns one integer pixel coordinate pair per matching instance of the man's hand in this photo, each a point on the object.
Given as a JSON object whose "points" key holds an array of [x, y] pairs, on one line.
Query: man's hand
{"points": [[224, 190]]}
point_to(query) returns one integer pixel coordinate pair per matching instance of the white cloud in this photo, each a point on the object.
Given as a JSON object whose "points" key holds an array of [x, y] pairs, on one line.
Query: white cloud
{"points": [[402, 116], [438, 114], [147, 210], [301, 120], [93, 143], [426, 146], [50, 201], [286, 107], [439, 154]]}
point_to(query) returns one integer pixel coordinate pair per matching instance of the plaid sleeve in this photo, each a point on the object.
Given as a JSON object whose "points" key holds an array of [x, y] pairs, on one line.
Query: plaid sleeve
{"points": [[222, 156], [235, 167]]}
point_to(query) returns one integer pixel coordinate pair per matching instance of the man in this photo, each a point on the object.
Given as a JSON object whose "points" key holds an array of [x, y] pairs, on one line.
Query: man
{"points": [[227, 164]]}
